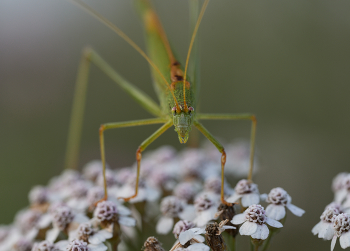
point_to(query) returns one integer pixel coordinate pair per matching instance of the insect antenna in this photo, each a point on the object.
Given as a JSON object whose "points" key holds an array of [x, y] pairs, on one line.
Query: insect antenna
{"points": [[201, 14], [113, 27]]}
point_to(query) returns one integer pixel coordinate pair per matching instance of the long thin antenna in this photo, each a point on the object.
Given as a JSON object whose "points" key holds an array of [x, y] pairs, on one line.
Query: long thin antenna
{"points": [[106, 22], [201, 14]]}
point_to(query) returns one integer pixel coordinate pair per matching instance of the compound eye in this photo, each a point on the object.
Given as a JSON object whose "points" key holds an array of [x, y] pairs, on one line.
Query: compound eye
{"points": [[173, 110], [190, 109]]}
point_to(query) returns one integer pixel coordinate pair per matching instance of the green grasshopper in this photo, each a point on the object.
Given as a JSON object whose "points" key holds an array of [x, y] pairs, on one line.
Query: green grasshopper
{"points": [[176, 91]]}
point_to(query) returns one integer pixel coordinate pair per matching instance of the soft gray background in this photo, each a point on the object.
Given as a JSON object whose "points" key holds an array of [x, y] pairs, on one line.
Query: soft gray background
{"points": [[286, 61]]}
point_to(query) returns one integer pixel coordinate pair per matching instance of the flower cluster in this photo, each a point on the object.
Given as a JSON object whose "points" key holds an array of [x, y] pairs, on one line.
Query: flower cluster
{"points": [[179, 192], [335, 219]]}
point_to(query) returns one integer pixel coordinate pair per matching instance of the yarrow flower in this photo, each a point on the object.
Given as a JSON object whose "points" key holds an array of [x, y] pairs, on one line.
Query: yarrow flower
{"points": [[62, 216], [108, 213], [341, 226], [340, 184], [247, 191], [172, 207], [324, 228], [206, 208], [49, 246], [254, 221], [279, 199]]}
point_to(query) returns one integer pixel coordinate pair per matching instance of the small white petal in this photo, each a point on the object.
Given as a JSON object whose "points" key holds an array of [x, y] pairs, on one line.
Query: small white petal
{"points": [[205, 216], [340, 195], [345, 240], [127, 221], [334, 241], [31, 234], [80, 218], [228, 227], [261, 233], [96, 239], [199, 238], [61, 245], [123, 210], [295, 210], [273, 223], [152, 194], [250, 199], [164, 225], [98, 247], [106, 234], [44, 221], [275, 212], [198, 247], [326, 231], [263, 197], [248, 228], [73, 234], [238, 219], [316, 229], [188, 213], [234, 198], [186, 236], [51, 235], [198, 230]]}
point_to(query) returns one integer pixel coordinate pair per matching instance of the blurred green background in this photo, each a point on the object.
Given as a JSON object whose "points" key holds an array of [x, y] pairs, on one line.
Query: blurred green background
{"points": [[286, 61]]}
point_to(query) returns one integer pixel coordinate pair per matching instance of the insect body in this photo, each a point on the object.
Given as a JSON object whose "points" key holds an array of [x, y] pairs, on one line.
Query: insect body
{"points": [[175, 91]]}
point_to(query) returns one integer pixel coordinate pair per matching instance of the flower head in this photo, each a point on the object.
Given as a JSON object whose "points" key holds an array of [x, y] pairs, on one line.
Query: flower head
{"points": [[171, 207], [254, 221], [181, 226], [185, 191], [78, 245], [106, 212], [206, 208], [279, 199], [246, 191], [341, 226], [324, 228]]}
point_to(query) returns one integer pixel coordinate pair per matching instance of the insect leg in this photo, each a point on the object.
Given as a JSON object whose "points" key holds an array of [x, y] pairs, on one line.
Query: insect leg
{"points": [[141, 148], [250, 117], [107, 126], [221, 149], [74, 135]]}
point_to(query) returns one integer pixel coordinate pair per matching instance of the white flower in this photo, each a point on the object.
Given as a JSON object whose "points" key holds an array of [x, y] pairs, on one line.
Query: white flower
{"points": [[246, 191], [78, 196], [185, 191], [279, 199], [213, 184], [340, 186], [254, 219], [192, 237], [94, 237], [108, 212], [27, 222], [324, 228], [62, 218], [206, 208], [172, 207], [341, 226], [49, 246], [78, 245]]}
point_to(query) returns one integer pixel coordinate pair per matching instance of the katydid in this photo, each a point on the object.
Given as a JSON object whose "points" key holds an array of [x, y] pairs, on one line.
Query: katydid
{"points": [[176, 91]]}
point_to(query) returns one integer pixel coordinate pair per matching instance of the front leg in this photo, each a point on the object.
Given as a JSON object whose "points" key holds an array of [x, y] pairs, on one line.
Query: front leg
{"points": [[168, 123], [221, 149], [243, 116]]}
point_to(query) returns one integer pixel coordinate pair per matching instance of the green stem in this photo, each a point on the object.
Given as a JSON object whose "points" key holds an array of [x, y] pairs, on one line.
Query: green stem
{"points": [[233, 244]]}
